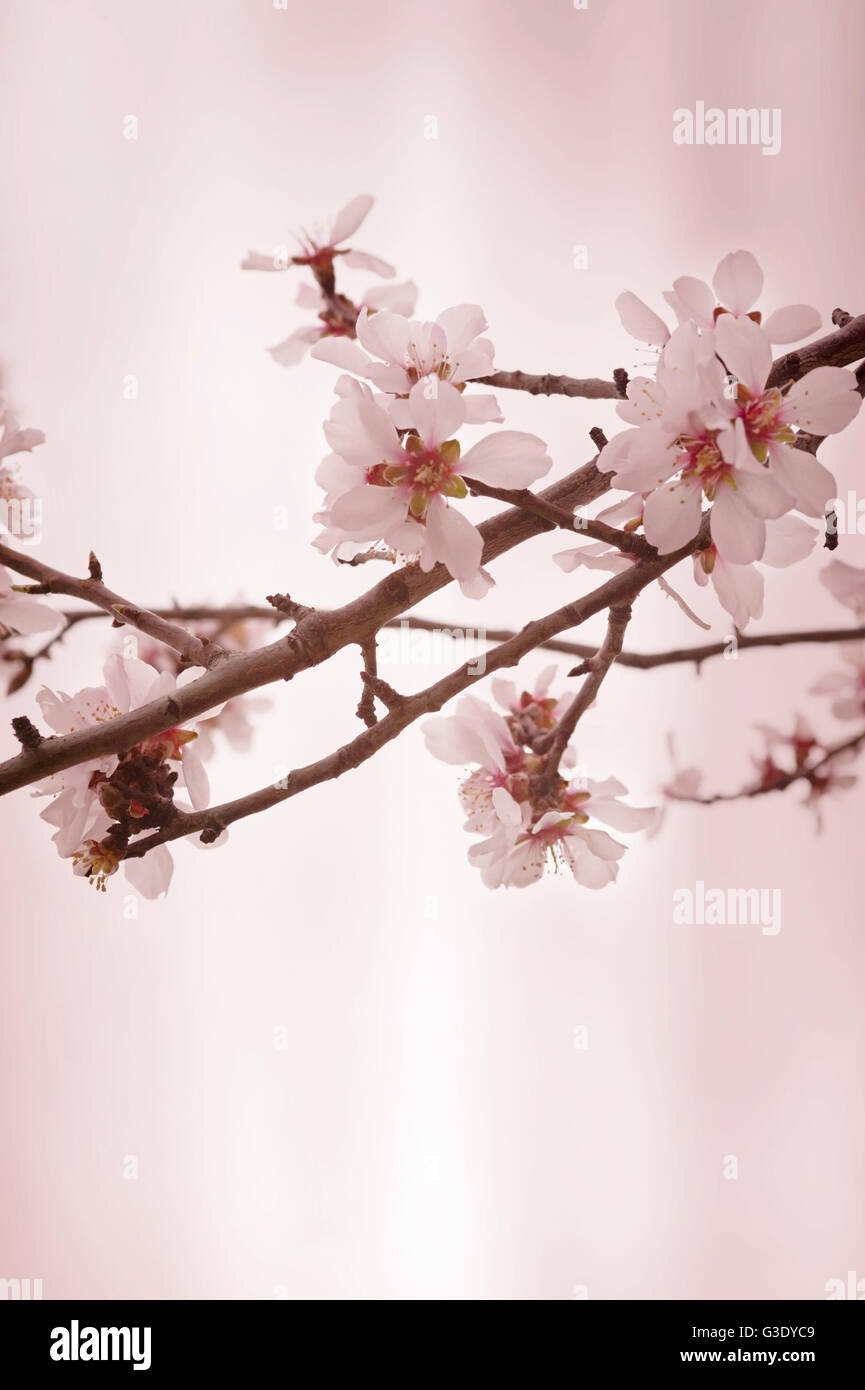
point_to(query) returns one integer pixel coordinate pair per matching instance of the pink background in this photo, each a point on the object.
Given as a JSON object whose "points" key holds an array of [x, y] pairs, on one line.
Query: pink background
{"points": [[430, 1129]]}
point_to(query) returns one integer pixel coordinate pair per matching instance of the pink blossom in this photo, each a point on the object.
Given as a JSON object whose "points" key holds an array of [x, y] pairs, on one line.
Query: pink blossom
{"points": [[740, 588], [319, 247], [84, 796], [737, 285], [401, 491], [339, 322], [527, 825], [395, 352]]}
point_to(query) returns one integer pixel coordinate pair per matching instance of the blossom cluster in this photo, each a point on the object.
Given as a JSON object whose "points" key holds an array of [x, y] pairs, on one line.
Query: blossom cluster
{"points": [[709, 430], [529, 814], [397, 472], [717, 461]]}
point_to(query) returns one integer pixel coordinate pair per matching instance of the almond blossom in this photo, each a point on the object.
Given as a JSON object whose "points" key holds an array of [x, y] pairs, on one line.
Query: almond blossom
{"points": [[338, 317], [319, 248], [400, 491], [395, 352], [822, 402], [740, 588], [98, 802], [737, 285], [692, 441], [529, 820]]}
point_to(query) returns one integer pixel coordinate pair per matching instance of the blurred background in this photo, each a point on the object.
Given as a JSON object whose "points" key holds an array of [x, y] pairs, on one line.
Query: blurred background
{"points": [[331, 1064]]}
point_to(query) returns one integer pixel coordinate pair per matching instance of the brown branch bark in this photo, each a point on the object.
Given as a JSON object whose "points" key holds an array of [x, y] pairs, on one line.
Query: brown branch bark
{"points": [[616, 592], [591, 388], [50, 581], [318, 636], [595, 669]]}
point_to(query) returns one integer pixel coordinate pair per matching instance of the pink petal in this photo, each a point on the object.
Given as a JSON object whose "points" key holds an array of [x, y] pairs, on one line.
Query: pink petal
{"points": [[738, 533], [437, 410], [453, 540], [343, 353], [740, 590], [808, 482], [824, 401], [745, 351], [697, 299], [366, 513], [349, 218], [791, 324], [462, 324], [738, 282], [508, 459], [294, 348], [385, 335], [362, 260], [671, 516], [641, 321]]}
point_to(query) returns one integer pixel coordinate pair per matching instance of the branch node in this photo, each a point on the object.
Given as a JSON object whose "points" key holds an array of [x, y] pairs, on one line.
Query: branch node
{"points": [[94, 568], [284, 603], [26, 733]]}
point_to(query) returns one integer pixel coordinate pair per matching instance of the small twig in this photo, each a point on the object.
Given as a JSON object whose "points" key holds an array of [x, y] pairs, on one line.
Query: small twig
{"points": [[285, 604], [547, 384], [555, 516], [366, 705], [595, 670], [809, 772]]}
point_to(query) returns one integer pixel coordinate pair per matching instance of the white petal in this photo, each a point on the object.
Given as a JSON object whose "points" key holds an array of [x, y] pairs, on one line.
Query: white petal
{"points": [[507, 810], [195, 777], [151, 874]]}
